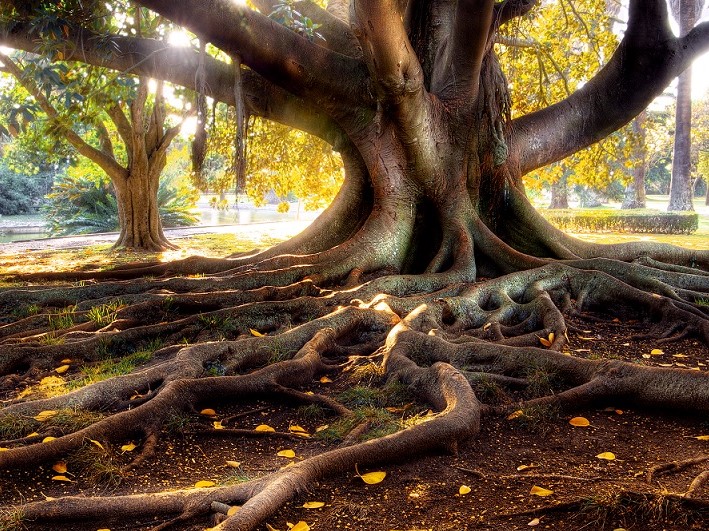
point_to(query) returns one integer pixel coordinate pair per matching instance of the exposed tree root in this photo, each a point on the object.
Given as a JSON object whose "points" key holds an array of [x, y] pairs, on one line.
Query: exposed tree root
{"points": [[272, 333]]}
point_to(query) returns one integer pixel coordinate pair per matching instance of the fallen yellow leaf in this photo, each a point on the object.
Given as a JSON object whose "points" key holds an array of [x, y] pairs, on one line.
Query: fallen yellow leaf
{"points": [[263, 427], [98, 444], [233, 510], [204, 484], [128, 447], [3, 449], [61, 369], [65, 360], [463, 490], [533, 522], [544, 341], [297, 429], [286, 453], [321, 428], [580, 422], [679, 356], [313, 505], [372, 478], [45, 415], [48, 439], [61, 478], [300, 526], [608, 456], [541, 491], [256, 333], [208, 412], [702, 437], [233, 464], [325, 379], [515, 415], [657, 352], [520, 468], [59, 467], [33, 434], [218, 425]]}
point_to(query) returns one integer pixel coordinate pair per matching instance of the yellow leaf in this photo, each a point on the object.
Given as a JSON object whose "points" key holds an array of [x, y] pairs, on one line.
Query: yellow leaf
{"points": [[300, 526], [48, 439], [533, 522], [51, 381], [233, 510], [541, 491], [218, 425], [33, 434], [372, 478], [297, 429], [208, 412], [61, 369], [45, 415], [702, 437], [679, 356], [233, 464], [544, 341], [59, 467], [515, 415], [3, 449], [325, 379], [286, 453], [579, 422], [128, 447], [551, 337], [98, 444], [66, 360], [321, 428], [263, 427], [608, 456], [61, 478], [656, 352], [204, 484], [463, 490], [520, 468], [313, 505], [256, 333], [103, 529], [647, 356]]}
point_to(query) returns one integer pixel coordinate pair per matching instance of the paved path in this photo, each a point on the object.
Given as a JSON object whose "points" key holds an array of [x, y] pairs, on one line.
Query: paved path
{"points": [[69, 242]]}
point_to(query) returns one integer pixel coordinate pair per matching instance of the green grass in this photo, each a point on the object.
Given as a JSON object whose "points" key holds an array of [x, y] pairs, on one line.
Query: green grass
{"points": [[105, 313], [111, 367]]}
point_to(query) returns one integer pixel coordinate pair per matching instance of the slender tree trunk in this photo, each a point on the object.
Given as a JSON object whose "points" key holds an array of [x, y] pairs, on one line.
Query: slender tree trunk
{"points": [[635, 191], [560, 193], [686, 13]]}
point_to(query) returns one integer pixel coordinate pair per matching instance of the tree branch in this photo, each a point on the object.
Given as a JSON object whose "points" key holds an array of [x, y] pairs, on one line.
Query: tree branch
{"points": [[106, 162], [274, 51], [510, 9], [154, 59], [119, 119], [645, 62], [472, 28]]}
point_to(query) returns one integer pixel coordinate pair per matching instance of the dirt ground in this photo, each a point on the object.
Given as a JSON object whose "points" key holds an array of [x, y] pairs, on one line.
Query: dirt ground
{"points": [[501, 466]]}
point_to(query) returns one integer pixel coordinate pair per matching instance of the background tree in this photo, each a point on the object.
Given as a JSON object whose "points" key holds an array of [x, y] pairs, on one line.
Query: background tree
{"points": [[686, 13], [430, 268]]}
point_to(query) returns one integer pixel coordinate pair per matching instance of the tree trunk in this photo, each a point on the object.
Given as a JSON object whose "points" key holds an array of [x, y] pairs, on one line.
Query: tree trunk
{"points": [[560, 193], [686, 12], [635, 191]]}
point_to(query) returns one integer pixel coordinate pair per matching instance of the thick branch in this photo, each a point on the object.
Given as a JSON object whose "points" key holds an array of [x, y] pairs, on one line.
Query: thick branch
{"points": [[152, 58], [274, 51], [646, 60], [510, 9]]}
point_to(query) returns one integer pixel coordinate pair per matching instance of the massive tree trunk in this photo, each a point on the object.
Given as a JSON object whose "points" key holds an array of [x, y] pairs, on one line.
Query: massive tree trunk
{"points": [[430, 265], [686, 12]]}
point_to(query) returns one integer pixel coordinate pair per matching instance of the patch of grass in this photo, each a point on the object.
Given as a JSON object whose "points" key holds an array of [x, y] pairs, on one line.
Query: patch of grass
{"points": [[487, 390], [105, 313], [542, 381], [15, 426], [177, 422], [702, 302], [279, 352], [71, 420], [97, 466], [380, 423], [361, 396], [51, 339], [108, 368], [11, 520], [233, 477], [26, 311], [312, 412], [539, 419], [368, 372]]}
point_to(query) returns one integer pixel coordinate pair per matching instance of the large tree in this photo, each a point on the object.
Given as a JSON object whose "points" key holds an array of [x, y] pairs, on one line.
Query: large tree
{"points": [[430, 265]]}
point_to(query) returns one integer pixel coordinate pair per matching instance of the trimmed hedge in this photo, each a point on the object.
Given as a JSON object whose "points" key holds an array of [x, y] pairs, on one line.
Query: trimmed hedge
{"points": [[607, 220]]}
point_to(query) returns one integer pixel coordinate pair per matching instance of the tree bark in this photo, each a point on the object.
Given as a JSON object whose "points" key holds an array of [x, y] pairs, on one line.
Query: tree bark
{"points": [[635, 191]]}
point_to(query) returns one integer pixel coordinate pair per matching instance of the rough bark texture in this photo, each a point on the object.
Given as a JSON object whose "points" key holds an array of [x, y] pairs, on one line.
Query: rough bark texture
{"points": [[431, 265]]}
